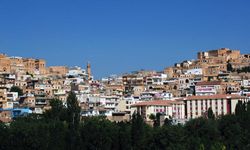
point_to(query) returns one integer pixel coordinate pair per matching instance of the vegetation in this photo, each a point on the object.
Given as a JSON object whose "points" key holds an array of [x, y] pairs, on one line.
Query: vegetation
{"points": [[229, 67], [16, 89], [244, 69], [241, 70], [61, 129]]}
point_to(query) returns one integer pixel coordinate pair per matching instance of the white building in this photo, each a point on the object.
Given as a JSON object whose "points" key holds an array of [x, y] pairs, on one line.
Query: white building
{"points": [[156, 79], [194, 71], [168, 108], [110, 103], [76, 72], [12, 96], [221, 104], [208, 88]]}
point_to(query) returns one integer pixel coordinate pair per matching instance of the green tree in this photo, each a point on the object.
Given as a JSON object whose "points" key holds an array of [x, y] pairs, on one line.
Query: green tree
{"points": [[201, 131], [167, 137], [168, 121], [57, 111], [124, 136], [231, 132], [244, 69], [73, 114], [4, 134], [73, 110], [247, 127], [16, 89], [229, 67], [137, 131], [158, 120], [240, 112], [152, 117], [100, 133], [210, 113], [58, 135], [29, 133]]}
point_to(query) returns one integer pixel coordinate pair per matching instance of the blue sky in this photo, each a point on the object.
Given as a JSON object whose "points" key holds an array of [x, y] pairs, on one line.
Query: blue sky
{"points": [[119, 36]]}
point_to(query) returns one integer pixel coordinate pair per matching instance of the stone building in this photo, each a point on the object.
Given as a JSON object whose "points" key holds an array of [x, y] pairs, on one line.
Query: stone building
{"points": [[22, 65], [4, 63], [58, 70], [40, 65]]}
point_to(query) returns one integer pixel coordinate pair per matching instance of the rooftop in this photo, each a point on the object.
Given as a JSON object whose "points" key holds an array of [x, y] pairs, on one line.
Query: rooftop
{"points": [[157, 103], [216, 96], [209, 83]]}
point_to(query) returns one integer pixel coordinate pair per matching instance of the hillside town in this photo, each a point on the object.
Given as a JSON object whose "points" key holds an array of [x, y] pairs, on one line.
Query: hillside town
{"points": [[216, 79]]}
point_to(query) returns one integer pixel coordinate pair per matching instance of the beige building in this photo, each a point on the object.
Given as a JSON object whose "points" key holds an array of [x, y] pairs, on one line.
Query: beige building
{"points": [[58, 70], [210, 88], [138, 90], [40, 65], [119, 117], [3, 98], [22, 65], [29, 101], [29, 65], [169, 71], [111, 90], [17, 65], [168, 108], [221, 104], [5, 116], [223, 53], [4, 63]]}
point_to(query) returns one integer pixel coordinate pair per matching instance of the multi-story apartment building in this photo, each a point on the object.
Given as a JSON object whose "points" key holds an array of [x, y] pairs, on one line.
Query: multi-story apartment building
{"points": [[130, 81], [221, 104], [209, 88], [3, 98], [168, 108]]}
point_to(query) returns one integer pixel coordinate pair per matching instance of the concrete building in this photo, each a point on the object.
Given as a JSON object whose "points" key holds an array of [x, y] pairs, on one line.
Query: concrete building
{"points": [[40, 66], [3, 98], [168, 108], [22, 65], [209, 88], [221, 104], [223, 52], [58, 70], [4, 63]]}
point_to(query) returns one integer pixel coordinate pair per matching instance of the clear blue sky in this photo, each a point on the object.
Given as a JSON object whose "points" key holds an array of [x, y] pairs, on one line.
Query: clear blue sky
{"points": [[121, 35]]}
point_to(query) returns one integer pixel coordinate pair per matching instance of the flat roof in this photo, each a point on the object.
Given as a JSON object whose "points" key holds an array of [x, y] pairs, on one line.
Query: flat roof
{"points": [[216, 96], [157, 103]]}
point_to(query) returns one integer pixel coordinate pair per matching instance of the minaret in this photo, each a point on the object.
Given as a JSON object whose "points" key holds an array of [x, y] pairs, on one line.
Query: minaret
{"points": [[89, 71]]}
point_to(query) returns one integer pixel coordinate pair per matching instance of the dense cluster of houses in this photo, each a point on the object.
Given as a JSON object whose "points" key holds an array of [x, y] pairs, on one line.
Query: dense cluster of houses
{"points": [[181, 92]]}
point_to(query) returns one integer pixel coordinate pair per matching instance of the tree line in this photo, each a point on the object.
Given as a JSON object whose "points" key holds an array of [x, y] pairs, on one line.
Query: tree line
{"points": [[239, 70], [61, 128]]}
